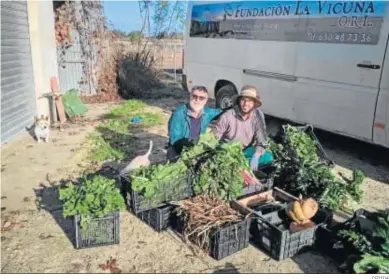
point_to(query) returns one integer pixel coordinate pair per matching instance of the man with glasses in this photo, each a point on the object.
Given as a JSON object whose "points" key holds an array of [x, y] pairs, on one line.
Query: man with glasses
{"points": [[245, 123], [189, 121]]}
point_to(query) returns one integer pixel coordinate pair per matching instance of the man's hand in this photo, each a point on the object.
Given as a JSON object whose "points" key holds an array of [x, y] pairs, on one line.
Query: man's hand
{"points": [[254, 162]]}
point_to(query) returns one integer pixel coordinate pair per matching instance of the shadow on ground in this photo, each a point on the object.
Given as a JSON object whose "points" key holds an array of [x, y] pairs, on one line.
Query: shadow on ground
{"points": [[48, 199], [134, 145], [228, 268], [304, 261], [354, 154]]}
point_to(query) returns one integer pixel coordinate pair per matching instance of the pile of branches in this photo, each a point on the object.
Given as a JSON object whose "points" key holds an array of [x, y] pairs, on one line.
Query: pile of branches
{"points": [[203, 216], [111, 54]]}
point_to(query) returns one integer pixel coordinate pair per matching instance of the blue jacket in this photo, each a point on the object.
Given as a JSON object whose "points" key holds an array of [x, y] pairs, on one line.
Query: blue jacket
{"points": [[179, 122]]}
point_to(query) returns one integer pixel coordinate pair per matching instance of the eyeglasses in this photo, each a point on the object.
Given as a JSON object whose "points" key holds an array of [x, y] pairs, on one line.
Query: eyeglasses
{"points": [[197, 97]]}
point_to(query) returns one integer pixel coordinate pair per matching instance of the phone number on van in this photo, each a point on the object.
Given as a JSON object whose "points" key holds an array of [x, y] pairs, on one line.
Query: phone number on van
{"points": [[340, 37]]}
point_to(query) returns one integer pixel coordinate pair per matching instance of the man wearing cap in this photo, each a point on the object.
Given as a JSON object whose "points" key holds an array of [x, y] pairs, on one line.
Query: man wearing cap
{"points": [[245, 123], [189, 121]]}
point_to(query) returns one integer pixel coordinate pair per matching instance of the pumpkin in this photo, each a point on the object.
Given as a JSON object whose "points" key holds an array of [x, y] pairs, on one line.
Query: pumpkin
{"points": [[301, 211]]}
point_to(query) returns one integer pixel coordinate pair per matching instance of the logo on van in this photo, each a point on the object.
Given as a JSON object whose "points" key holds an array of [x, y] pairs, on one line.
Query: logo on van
{"points": [[343, 22]]}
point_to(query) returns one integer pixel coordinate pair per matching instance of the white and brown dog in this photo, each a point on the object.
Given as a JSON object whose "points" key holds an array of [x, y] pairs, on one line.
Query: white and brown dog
{"points": [[42, 128]]}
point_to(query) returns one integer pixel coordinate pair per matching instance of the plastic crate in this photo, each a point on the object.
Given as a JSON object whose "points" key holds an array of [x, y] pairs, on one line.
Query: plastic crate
{"points": [[99, 232], [266, 183], [321, 152], [331, 244], [138, 203], [223, 241], [271, 232], [157, 218]]}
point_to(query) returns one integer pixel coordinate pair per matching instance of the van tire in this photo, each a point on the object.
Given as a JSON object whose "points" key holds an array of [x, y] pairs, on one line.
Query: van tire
{"points": [[225, 96]]}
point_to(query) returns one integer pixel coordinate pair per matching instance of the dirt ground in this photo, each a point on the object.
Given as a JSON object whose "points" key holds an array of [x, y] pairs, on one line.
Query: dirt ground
{"points": [[34, 241]]}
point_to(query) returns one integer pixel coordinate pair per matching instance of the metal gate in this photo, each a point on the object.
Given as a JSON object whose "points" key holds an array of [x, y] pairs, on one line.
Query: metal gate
{"points": [[71, 63], [18, 104]]}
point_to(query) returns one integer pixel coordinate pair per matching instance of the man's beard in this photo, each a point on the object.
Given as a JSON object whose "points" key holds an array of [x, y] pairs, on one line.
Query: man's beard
{"points": [[248, 112], [196, 109]]}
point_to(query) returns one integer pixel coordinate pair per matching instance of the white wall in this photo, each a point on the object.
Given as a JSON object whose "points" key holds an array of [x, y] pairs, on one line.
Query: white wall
{"points": [[43, 50]]}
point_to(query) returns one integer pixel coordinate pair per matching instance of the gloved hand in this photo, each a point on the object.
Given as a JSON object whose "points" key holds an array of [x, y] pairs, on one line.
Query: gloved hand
{"points": [[254, 163]]}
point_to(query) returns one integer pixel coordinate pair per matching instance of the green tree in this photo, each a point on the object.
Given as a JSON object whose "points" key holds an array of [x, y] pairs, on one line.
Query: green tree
{"points": [[135, 36], [167, 16]]}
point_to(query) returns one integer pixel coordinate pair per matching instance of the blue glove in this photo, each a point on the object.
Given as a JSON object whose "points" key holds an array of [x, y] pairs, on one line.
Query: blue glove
{"points": [[254, 163]]}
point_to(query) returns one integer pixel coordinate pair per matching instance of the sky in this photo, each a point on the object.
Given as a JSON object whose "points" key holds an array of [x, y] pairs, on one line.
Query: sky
{"points": [[123, 15]]}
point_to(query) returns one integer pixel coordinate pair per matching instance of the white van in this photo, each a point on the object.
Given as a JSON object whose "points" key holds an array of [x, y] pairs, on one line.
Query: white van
{"points": [[320, 62]]}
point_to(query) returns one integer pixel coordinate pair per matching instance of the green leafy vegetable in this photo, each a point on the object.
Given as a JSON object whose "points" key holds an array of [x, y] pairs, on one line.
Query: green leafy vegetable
{"points": [[299, 170], [359, 241], [215, 168], [303, 144], [218, 172], [206, 143], [160, 183], [93, 198], [376, 264], [373, 247]]}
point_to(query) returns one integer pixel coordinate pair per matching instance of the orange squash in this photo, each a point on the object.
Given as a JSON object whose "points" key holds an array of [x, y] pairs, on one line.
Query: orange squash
{"points": [[301, 211]]}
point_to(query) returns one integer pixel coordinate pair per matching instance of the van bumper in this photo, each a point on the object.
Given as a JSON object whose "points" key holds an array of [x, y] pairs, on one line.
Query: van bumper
{"points": [[184, 82]]}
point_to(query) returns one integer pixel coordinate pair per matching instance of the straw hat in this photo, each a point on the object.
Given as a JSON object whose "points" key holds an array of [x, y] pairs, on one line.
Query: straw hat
{"points": [[249, 91]]}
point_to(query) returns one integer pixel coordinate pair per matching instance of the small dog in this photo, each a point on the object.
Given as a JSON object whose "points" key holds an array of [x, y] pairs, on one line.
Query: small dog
{"points": [[41, 128], [139, 161]]}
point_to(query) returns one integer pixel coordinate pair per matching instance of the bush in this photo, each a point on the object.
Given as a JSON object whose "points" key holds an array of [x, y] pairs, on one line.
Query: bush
{"points": [[137, 77]]}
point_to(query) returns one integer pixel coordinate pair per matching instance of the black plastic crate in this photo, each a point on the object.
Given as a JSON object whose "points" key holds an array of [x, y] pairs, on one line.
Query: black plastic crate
{"points": [[99, 232], [266, 183], [321, 152], [157, 218], [271, 232], [330, 243], [138, 203], [224, 241]]}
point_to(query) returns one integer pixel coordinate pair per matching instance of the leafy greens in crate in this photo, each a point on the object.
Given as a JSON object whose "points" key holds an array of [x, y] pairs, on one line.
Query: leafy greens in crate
{"points": [[93, 198], [373, 247], [215, 168], [299, 170]]}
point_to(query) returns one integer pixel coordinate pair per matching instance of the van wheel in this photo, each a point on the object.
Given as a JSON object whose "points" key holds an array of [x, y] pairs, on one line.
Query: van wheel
{"points": [[225, 96]]}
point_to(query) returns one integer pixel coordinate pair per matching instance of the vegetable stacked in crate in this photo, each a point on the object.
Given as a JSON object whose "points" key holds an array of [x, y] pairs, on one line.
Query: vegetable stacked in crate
{"points": [[283, 225], [302, 167], [205, 168], [359, 245], [149, 189], [94, 203], [211, 224]]}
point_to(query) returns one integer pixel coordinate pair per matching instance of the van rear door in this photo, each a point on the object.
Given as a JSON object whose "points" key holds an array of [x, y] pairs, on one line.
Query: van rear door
{"points": [[339, 67], [381, 120]]}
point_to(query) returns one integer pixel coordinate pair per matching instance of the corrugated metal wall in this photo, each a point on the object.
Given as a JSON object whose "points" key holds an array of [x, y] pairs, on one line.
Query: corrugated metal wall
{"points": [[17, 79]]}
